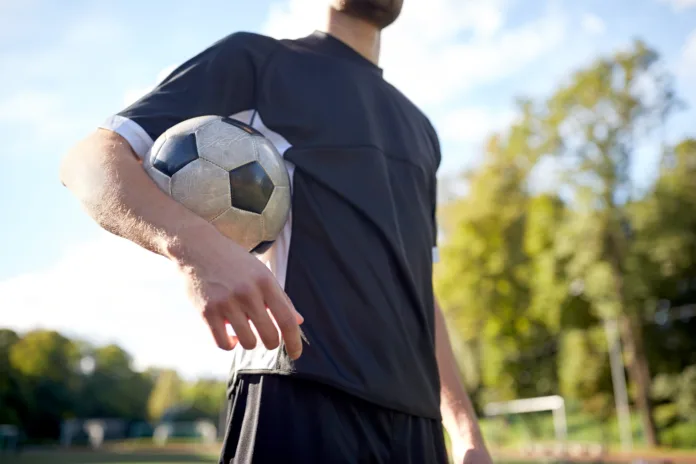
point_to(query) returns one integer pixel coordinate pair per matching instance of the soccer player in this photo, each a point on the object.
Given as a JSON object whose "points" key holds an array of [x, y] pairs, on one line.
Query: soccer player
{"points": [[376, 378]]}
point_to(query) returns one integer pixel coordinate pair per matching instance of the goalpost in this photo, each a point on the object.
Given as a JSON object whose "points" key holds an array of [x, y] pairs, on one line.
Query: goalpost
{"points": [[555, 404]]}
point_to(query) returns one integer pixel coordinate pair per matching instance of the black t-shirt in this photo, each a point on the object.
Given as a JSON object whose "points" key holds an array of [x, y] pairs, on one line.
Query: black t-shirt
{"points": [[356, 255]]}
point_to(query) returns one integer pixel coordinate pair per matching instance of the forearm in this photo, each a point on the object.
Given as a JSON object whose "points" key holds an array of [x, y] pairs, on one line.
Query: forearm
{"points": [[458, 414], [110, 183]]}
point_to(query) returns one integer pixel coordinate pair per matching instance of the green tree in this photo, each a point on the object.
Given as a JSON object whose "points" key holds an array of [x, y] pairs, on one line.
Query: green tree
{"points": [[531, 269], [594, 125], [666, 246], [47, 362], [495, 242], [113, 388], [12, 392], [7, 339], [206, 396]]}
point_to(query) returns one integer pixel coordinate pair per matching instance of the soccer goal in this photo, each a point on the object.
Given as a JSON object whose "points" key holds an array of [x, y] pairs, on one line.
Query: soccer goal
{"points": [[555, 404]]}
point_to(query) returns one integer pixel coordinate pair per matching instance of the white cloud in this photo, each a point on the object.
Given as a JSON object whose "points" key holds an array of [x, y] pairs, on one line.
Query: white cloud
{"points": [[593, 24], [680, 4], [295, 18], [436, 74], [132, 95], [45, 117], [435, 64], [473, 124], [30, 107], [112, 290], [686, 68], [685, 71]]}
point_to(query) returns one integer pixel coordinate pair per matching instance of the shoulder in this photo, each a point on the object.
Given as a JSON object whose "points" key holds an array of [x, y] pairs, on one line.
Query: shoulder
{"points": [[247, 40], [255, 47]]}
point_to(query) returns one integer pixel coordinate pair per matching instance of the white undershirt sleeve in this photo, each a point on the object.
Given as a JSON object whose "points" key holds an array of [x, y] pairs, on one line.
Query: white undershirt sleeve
{"points": [[130, 130]]}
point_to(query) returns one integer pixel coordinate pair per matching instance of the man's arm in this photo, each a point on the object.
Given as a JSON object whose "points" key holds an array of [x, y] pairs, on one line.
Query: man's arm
{"points": [[111, 185], [458, 414], [227, 284]]}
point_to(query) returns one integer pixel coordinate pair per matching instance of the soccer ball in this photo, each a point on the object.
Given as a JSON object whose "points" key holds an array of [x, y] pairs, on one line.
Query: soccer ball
{"points": [[227, 173]]}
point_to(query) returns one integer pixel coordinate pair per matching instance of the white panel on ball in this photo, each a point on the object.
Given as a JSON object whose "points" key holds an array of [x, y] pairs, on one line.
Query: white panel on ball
{"points": [[272, 163], [243, 227], [207, 199], [275, 215], [225, 145]]}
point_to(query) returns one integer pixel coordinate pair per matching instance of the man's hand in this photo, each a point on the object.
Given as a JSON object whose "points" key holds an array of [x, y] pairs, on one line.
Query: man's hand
{"points": [[463, 452], [229, 285]]}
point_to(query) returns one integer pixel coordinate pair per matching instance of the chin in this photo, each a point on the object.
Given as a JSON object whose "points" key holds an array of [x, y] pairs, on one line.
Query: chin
{"points": [[380, 13]]}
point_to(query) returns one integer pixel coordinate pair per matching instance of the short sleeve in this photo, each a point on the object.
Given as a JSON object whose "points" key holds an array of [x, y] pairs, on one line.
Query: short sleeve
{"points": [[218, 81]]}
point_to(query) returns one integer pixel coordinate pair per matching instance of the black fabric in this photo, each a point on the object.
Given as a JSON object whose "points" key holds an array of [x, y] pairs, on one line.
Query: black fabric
{"points": [[360, 258], [276, 419], [360, 263], [220, 80]]}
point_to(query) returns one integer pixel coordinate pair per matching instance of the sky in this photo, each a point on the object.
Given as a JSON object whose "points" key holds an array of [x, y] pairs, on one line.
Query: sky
{"points": [[66, 66]]}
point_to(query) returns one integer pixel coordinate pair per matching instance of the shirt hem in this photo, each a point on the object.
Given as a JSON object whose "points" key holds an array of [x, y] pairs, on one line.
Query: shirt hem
{"points": [[380, 402]]}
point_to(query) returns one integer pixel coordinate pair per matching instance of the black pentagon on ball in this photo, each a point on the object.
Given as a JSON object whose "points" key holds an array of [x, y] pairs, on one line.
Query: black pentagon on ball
{"points": [[175, 153], [251, 187]]}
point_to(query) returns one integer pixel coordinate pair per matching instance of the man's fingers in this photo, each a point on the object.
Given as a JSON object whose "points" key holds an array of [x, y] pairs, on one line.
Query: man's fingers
{"points": [[240, 324], [298, 316], [245, 311], [266, 329], [219, 331], [287, 319]]}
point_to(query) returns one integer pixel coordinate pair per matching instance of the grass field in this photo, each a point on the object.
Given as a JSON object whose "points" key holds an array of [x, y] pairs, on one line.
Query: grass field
{"points": [[209, 456], [517, 430], [117, 455], [186, 453]]}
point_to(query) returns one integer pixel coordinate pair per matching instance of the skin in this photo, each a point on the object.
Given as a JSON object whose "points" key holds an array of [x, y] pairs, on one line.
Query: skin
{"points": [[226, 284], [359, 23], [377, 13]]}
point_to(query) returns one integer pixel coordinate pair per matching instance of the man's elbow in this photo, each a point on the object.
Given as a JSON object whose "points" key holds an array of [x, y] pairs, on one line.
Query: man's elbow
{"points": [[93, 161], [76, 161], [88, 170], [67, 166]]}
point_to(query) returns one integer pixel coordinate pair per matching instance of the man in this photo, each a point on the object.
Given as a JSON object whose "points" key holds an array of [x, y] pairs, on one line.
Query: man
{"points": [[376, 378]]}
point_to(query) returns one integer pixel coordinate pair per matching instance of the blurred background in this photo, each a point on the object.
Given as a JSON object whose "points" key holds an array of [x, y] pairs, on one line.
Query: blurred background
{"points": [[567, 224]]}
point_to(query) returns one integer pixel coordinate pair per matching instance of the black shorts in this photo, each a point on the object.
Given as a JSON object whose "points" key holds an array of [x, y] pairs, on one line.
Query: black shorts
{"points": [[280, 419]]}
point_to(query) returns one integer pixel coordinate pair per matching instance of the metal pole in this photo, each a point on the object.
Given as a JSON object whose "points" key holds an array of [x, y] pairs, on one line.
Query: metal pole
{"points": [[623, 413], [560, 424]]}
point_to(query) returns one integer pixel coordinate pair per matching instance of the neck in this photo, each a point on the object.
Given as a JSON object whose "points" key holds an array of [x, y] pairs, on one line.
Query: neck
{"points": [[360, 35]]}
